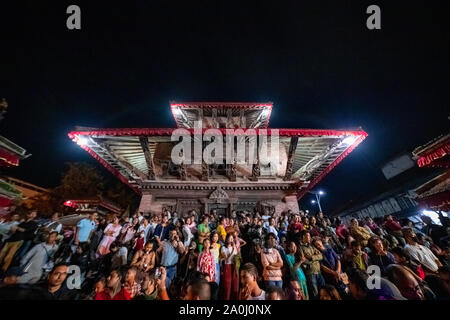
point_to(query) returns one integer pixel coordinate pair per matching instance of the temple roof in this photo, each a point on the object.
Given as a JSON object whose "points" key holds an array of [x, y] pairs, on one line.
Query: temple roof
{"points": [[140, 157], [222, 114], [435, 153], [11, 153]]}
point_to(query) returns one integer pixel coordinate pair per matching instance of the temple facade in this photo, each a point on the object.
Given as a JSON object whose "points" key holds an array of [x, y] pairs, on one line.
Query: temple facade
{"points": [[143, 158]]}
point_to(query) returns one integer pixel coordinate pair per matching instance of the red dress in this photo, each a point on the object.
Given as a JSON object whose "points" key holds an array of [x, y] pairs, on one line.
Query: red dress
{"points": [[206, 264], [139, 244], [229, 283], [121, 295]]}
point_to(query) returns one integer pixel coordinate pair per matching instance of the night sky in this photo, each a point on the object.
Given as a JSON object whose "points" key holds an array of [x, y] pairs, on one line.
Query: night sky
{"points": [[316, 61]]}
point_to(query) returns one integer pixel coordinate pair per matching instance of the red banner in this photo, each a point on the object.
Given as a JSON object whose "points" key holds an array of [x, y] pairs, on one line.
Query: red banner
{"points": [[5, 202], [8, 159], [436, 157]]}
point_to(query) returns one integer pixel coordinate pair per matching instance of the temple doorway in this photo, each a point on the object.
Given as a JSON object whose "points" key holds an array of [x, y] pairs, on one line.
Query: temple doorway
{"points": [[221, 209]]}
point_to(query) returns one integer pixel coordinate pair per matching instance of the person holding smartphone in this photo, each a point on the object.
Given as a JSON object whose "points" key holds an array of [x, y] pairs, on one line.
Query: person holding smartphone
{"points": [[154, 286], [230, 277], [170, 250]]}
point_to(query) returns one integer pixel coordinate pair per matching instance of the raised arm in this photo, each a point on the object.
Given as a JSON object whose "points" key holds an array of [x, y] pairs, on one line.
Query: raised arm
{"points": [[180, 247]]}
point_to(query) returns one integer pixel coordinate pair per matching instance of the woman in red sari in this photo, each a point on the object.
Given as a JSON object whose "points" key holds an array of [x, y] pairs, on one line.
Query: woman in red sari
{"points": [[206, 262], [230, 276]]}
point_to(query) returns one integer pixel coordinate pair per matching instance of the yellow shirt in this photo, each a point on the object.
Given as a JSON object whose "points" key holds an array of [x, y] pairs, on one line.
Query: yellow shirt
{"points": [[221, 232]]}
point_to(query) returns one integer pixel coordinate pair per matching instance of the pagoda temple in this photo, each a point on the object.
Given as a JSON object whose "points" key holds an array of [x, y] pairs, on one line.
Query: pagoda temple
{"points": [[142, 158]]}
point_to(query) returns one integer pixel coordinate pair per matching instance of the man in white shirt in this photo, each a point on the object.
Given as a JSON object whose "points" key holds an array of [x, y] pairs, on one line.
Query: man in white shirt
{"points": [[40, 257], [271, 228], [169, 215], [420, 253], [145, 226], [154, 222], [85, 229], [265, 220], [175, 218], [53, 224], [7, 228]]}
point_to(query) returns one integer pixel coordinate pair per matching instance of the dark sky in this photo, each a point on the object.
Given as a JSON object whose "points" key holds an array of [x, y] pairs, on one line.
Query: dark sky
{"points": [[316, 61]]}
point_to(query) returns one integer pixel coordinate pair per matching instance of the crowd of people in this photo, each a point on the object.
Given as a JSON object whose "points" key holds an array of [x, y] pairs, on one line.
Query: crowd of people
{"points": [[241, 256]]}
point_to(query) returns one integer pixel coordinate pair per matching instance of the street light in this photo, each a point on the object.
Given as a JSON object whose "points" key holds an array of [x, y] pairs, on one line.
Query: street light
{"points": [[317, 194]]}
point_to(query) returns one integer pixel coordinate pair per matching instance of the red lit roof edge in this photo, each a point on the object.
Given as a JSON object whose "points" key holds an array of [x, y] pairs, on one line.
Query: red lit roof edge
{"points": [[338, 160], [169, 131], [206, 104]]}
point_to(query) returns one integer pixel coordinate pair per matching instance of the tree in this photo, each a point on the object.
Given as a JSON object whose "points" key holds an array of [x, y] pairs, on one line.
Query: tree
{"points": [[81, 180], [84, 181], [121, 195]]}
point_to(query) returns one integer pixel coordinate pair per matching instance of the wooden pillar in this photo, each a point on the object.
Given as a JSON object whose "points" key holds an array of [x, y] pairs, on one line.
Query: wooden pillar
{"points": [[229, 118], [230, 209], [215, 123], [205, 166], [182, 168], [231, 171], [256, 169], [242, 119], [148, 157], [290, 159]]}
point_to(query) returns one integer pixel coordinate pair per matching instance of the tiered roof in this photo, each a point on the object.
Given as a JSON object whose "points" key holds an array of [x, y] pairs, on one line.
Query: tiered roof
{"points": [[228, 114], [140, 157]]}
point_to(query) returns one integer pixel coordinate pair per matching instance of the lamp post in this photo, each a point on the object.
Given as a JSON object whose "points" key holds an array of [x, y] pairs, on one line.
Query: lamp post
{"points": [[317, 194]]}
